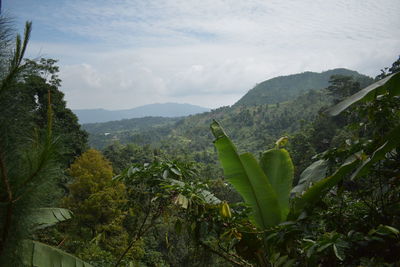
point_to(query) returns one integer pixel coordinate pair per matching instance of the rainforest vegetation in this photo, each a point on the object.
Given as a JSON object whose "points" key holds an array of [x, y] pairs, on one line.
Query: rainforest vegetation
{"points": [[308, 176]]}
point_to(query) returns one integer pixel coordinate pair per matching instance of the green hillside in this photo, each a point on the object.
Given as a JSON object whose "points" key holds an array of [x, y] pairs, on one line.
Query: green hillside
{"points": [[102, 134], [254, 127], [284, 88]]}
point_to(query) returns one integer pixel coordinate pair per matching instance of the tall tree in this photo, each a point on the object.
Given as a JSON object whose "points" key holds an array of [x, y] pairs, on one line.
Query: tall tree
{"points": [[40, 78], [27, 160], [97, 203]]}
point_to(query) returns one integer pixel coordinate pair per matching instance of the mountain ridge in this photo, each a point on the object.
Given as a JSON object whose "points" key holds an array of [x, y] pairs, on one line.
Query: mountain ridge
{"points": [[255, 126], [168, 109], [284, 88]]}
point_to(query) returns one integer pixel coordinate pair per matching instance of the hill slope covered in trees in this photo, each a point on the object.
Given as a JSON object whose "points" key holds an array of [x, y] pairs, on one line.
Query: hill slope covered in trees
{"points": [[284, 88], [254, 126]]}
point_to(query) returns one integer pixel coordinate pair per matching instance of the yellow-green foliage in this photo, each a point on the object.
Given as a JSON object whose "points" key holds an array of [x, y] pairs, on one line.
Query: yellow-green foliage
{"points": [[97, 203]]}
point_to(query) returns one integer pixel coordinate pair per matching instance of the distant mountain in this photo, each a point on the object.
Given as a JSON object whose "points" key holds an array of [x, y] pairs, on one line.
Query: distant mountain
{"points": [[254, 126], [284, 88], [155, 110]]}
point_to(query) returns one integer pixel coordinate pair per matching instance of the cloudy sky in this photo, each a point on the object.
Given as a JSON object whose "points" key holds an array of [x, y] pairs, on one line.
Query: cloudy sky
{"points": [[118, 54]]}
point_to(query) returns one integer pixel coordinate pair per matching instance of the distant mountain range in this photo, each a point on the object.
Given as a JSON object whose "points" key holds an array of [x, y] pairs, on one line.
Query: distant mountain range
{"points": [[284, 88], [272, 91], [274, 107], [155, 110]]}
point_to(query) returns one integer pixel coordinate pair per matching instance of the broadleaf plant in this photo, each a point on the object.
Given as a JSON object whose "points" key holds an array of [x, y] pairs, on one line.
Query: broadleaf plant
{"points": [[250, 180], [45, 217], [390, 84], [37, 254], [266, 185]]}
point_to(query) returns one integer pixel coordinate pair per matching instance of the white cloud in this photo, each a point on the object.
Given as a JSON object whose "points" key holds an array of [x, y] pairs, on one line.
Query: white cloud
{"points": [[209, 52]]}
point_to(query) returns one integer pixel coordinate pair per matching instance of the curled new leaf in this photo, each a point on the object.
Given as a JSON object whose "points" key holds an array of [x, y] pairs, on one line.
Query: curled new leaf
{"points": [[281, 141], [225, 210]]}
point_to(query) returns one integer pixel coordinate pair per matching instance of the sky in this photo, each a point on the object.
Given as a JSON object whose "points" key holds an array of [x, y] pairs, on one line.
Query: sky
{"points": [[120, 54]]}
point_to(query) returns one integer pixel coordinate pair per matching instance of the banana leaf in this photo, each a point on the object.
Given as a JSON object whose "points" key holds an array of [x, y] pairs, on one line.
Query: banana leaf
{"points": [[45, 217], [392, 142], [37, 254], [278, 167], [390, 84], [315, 192], [312, 174], [247, 177]]}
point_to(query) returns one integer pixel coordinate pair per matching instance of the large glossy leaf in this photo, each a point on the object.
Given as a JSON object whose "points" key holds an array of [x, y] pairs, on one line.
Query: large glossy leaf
{"points": [[318, 189], [278, 167], [315, 192], [36, 254], [312, 174], [45, 217], [392, 141], [247, 177], [390, 84]]}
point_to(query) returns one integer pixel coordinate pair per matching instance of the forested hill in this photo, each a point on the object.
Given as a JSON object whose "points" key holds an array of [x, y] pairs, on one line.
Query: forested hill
{"points": [[284, 88], [155, 110], [254, 126]]}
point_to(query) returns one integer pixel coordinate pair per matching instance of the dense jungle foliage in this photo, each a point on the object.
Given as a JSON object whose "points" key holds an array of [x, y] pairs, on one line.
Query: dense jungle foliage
{"points": [[318, 183]]}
